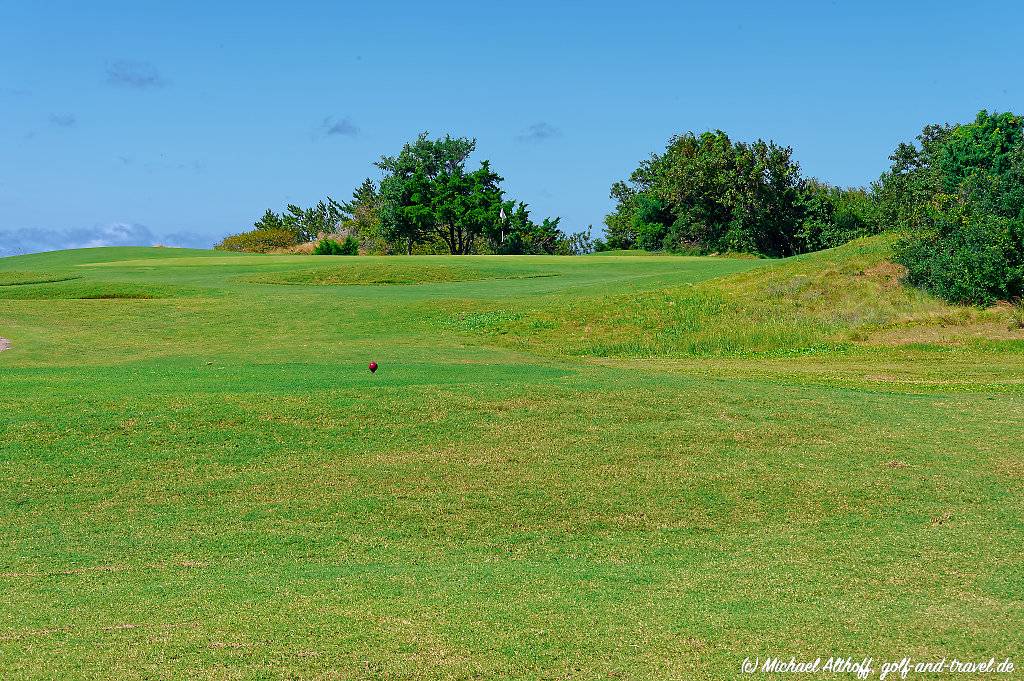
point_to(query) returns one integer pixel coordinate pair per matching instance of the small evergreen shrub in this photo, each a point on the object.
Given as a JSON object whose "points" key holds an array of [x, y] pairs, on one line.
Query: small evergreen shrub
{"points": [[326, 247], [350, 246]]}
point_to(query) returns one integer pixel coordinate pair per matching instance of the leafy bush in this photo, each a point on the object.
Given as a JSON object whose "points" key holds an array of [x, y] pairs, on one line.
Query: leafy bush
{"points": [[974, 260], [960, 200], [515, 233], [327, 247], [350, 246], [259, 241]]}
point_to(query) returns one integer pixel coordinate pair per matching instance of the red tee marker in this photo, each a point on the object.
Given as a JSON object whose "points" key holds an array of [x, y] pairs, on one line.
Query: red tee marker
{"points": [[373, 367]]}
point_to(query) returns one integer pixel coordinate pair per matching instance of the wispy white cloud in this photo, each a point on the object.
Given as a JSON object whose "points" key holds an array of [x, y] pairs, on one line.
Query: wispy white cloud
{"points": [[344, 127], [137, 75], [187, 240], [63, 120], [20, 241], [539, 132]]}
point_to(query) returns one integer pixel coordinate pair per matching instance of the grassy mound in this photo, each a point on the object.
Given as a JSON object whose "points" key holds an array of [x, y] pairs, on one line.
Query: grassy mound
{"points": [[817, 302], [16, 278], [54, 260], [76, 289], [393, 273]]}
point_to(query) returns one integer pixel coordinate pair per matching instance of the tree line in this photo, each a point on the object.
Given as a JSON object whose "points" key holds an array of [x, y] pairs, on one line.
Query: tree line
{"points": [[428, 201], [956, 196]]}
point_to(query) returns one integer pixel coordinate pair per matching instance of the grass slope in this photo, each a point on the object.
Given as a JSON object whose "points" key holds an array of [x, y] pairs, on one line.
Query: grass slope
{"points": [[825, 301], [627, 468]]}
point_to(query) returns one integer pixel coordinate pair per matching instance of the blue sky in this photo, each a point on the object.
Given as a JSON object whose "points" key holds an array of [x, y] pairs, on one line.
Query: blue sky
{"points": [[143, 122]]}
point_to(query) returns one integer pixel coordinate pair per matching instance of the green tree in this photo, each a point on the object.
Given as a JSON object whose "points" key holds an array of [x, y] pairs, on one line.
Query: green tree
{"points": [[834, 215], [620, 229], [270, 220], [709, 193], [517, 234], [363, 217], [326, 217], [505, 236], [958, 196], [427, 192]]}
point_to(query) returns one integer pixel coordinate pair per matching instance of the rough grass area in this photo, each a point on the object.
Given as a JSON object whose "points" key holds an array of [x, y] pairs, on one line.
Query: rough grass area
{"points": [[827, 301], [641, 468]]}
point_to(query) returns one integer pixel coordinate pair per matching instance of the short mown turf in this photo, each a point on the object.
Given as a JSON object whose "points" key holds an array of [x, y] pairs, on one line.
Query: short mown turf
{"points": [[613, 467]]}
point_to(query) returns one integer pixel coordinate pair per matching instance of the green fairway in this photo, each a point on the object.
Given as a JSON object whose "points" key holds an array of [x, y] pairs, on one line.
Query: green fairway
{"points": [[590, 467]]}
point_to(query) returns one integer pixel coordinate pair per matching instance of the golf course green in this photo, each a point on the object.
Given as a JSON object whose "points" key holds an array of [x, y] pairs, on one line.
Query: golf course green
{"points": [[586, 467]]}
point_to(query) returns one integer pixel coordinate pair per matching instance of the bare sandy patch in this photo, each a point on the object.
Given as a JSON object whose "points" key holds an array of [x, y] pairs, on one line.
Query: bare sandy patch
{"points": [[887, 274], [4, 344]]}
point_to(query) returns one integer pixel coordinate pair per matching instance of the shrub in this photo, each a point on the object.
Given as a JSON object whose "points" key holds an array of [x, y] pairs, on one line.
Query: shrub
{"points": [[350, 246], [326, 247], [974, 260], [958, 196], [259, 241]]}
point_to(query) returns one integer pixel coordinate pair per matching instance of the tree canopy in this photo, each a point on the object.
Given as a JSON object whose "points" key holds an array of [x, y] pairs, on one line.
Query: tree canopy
{"points": [[707, 193], [428, 192], [958, 196]]}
